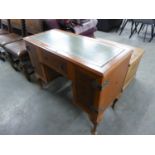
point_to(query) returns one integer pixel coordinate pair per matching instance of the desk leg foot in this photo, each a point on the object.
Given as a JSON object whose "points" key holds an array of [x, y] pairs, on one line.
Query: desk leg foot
{"points": [[2, 59], [42, 84], [93, 130], [114, 103]]}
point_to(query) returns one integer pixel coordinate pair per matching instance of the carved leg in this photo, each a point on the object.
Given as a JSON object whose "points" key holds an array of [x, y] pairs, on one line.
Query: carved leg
{"points": [[27, 69], [95, 120], [42, 84], [123, 26], [114, 103], [1, 58], [14, 63], [93, 130], [26, 73], [2, 54]]}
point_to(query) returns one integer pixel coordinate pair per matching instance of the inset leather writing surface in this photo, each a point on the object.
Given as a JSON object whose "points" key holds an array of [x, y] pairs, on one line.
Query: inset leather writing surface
{"points": [[78, 47]]}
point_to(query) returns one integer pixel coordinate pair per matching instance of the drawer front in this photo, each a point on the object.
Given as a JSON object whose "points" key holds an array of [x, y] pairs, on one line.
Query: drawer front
{"points": [[54, 62]]}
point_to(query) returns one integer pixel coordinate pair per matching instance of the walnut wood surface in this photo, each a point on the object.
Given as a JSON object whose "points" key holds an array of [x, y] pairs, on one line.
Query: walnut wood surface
{"points": [[95, 86]]}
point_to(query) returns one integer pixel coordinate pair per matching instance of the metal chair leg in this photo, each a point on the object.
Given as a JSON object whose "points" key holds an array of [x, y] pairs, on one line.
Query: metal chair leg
{"points": [[141, 27], [133, 29], [26, 73], [152, 33], [123, 26], [145, 33]]}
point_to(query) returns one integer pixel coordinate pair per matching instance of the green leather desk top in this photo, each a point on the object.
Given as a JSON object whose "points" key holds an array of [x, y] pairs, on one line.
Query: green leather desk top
{"points": [[78, 47]]}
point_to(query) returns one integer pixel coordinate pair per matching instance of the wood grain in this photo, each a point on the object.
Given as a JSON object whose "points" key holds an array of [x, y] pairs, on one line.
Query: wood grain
{"points": [[94, 87]]}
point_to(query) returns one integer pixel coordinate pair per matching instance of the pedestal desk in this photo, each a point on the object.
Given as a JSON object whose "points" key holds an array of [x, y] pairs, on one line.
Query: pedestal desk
{"points": [[97, 70]]}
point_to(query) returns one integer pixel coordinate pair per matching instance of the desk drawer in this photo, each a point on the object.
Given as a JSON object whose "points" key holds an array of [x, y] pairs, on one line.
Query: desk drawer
{"points": [[54, 62]]}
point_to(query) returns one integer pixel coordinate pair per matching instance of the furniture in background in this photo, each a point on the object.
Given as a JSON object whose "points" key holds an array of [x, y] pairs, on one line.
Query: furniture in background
{"points": [[124, 23], [4, 29], [17, 50], [14, 33], [85, 27], [107, 25], [144, 23], [137, 25], [97, 70], [4, 26]]}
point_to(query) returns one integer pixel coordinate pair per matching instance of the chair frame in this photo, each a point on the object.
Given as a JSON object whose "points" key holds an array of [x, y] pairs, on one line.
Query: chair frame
{"points": [[134, 28], [21, 64], [2, 51]]}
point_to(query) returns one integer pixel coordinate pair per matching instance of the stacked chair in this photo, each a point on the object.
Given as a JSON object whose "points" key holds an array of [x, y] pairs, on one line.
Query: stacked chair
{"points": [[18, 49], [15, 47], [144, 23], [15, 32], [5, 29], [11, 31], [4, 26]]}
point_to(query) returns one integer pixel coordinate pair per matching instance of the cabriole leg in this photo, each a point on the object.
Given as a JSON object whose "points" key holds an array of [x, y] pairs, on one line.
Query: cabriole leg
{"points": [[94, 128]]}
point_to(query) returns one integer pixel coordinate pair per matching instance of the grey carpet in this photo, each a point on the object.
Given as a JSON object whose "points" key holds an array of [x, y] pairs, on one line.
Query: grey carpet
{"points": [[25, 108]]}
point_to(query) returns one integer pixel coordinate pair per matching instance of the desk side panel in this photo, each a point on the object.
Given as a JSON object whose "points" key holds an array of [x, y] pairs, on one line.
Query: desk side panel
{"points": [[34, 53], [85, 94], [115, 77]]}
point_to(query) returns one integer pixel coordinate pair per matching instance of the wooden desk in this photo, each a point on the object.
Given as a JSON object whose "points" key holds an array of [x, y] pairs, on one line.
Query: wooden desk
{"points": [[97, 70]]}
